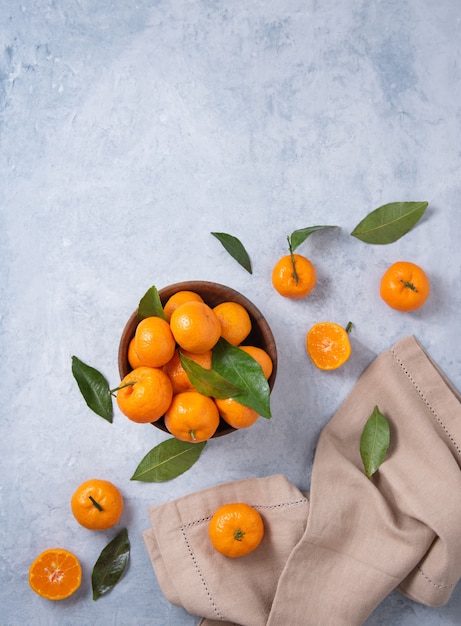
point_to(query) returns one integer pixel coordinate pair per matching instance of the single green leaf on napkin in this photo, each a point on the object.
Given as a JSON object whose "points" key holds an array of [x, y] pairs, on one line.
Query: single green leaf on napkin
{"points": [[94, 388], [298, 237], [207, 382], [111, 564], [374, 442], [244, 372], [168, 460], [389, 222], [150, 305], [236, 249]]}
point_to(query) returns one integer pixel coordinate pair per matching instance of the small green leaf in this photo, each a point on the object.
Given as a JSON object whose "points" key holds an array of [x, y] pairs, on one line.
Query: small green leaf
{"points": [[389, 222], [94, 388], [168, 460], [150, 305], [243, 371], [208, 382], [374, 442], [235, 248], [111, 564], [299, 236]]}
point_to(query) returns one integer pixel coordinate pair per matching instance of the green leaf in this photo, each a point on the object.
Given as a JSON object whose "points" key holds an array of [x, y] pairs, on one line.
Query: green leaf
{"points": [[150, 305], [235, 248], [299, 236], [208, 382], [389, 222], [111, 564], [243, 371], [374, 442], [168, 460], [94, 388]]}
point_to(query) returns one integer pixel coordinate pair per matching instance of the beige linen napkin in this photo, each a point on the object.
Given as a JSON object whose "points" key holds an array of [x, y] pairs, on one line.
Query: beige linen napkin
{"points": [[363, 538]]}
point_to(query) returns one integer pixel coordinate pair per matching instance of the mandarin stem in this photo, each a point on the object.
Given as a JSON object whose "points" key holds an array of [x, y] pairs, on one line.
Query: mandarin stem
{"points": [[238, 534], [112, 391], [295, 275], [406, 283], [192, 435], [96, 503]]}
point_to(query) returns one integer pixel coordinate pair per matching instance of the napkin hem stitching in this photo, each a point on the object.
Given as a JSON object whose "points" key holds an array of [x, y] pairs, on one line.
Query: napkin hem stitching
{"points": [[426, 402], [199, 571], [434, 584]]}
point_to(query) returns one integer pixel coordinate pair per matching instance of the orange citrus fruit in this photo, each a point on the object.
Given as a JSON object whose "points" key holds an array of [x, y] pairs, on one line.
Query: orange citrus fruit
{"points": [[154, 342], [192, 417], [294, 276], [97, 504], [235, 322], [180, 297], [195, 326], [235, 414], [55, 574], [177, 374], [405, 286], [144, 394], [261, 357], [328, 345], [133, 358], [236, 529]]}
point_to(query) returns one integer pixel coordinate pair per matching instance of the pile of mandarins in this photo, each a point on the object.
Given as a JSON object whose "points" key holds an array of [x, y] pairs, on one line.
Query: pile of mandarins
{"points": [[158, 386]]}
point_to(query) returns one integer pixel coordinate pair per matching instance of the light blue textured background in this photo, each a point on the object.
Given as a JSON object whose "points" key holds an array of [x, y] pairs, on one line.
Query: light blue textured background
{"points": [[128, 132]]}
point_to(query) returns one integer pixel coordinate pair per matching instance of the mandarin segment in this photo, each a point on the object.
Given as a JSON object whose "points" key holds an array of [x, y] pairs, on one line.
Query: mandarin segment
{"points": [[236, 529], [55, 574], [195, 327], [235, 322], [328, 345], [144, 394]]}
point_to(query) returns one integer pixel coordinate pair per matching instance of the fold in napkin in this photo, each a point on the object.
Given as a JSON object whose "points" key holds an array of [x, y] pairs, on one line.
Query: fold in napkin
{"points": [[332, 557]]}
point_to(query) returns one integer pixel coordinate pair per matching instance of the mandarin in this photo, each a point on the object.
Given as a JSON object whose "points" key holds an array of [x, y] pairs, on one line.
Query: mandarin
{"points": [[236, 414], [405, 286], [177, 374], [236, 529], [235, 322], [154, 343], [192, 417], [55, 574], [178, 298], [294, 276], [261, 357], [328, 345], [144, 394], [97, 504], [195, 327]]}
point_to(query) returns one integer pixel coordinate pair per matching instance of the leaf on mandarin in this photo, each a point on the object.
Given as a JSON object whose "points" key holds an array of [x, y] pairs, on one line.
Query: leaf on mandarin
{"points": [[111, 564], [243, 371], [168, 460], [150, 305], [235, 248], [389, 222], [374, 442], [94, 388], [207, 382], [299, 236]]}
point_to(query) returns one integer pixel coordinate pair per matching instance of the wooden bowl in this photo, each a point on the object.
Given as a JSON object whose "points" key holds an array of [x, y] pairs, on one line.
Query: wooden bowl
{"points": [[213, 294]]}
